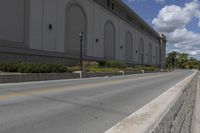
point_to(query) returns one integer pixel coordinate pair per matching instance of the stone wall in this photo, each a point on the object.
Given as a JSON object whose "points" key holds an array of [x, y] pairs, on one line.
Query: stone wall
{"points": [[179, 117], [10, 78], [28, 77], [196, 116], [169, 113]]}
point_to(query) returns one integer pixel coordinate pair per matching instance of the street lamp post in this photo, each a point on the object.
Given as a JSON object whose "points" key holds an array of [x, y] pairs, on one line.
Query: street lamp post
{"points": [[81, 51], [142, 60], [173, 63]]}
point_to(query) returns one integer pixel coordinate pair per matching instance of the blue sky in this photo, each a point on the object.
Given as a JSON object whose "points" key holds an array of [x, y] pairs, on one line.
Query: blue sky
{"points": [[179, 20]]}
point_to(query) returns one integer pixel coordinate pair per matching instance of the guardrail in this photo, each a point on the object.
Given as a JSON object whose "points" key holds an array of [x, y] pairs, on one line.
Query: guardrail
{"points": [[169, 113]]}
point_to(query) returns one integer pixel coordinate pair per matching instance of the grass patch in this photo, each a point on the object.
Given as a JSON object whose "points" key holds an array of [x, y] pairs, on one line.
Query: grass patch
{"points": [[95, 67], [102, 69]]}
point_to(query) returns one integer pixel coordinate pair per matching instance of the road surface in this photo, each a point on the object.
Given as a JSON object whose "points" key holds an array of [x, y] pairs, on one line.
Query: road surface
{"points": [[78, 106]]}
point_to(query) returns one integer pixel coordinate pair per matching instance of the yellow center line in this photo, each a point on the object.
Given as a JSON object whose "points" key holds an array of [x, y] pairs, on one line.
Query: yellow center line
{"points": [[39, 91]]}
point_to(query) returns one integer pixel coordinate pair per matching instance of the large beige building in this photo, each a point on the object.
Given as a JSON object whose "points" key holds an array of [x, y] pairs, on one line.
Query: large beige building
{"points": [[48, 31]]}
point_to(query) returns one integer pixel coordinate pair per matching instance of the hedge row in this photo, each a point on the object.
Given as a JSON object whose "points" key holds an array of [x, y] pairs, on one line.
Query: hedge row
{"points": [[108, 66], [23, 67], [112, 64]]}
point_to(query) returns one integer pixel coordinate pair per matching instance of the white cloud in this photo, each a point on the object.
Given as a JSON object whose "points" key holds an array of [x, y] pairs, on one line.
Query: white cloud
{"points": [[173, 17], [185, 41], [172, 21]]}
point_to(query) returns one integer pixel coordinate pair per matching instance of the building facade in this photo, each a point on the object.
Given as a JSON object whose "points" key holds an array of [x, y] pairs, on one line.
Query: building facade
{"points": [[48, 31]]}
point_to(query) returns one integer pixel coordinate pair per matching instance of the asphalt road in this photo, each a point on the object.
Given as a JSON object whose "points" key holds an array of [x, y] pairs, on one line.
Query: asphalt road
{"points": [[78, 106]]}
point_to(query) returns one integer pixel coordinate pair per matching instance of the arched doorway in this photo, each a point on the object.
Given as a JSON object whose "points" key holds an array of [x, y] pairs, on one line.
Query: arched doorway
{"points": [[75, 24], [150, 54], [141, 52], [109, 41], [129, 48]]}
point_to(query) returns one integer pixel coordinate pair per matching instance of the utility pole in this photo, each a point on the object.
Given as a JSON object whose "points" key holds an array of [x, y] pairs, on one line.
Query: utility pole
{"points": [[81, 51], [173, 63], [142, 61]]}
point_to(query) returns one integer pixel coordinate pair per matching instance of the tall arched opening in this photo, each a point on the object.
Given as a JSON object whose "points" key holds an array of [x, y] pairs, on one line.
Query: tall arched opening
{"points": [[129, 48], [109, 40], [76, 22]]}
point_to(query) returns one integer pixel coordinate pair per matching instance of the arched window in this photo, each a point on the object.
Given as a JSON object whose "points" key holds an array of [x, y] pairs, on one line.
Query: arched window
{"points": [[109, 40], [76, 23], [129, 47]]}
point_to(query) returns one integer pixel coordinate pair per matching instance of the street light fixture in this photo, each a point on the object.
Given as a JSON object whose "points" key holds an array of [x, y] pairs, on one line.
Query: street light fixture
{"points": [[81, 51], [142, 60]]}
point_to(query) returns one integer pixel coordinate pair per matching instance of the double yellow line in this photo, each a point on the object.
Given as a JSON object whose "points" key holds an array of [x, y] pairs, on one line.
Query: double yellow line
{"points": [[53, 90]]}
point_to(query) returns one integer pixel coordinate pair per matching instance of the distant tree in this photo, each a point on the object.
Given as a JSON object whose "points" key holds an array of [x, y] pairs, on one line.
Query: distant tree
{"points": [[181, 60], [193, 63], [171, 60]]}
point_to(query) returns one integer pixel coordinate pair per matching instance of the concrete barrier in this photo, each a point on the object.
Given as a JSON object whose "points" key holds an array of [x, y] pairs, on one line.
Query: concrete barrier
{"points": [[90, 75], [10, 78], [196, 116], [169, 113], [26, 77]]}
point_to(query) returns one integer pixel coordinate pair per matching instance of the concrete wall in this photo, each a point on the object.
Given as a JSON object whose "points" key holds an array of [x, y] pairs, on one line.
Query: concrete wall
{"points": [[97, 16], [12, 20], [169, 113], [196, 116], [44, 14], [29, 77], [11, 78]]}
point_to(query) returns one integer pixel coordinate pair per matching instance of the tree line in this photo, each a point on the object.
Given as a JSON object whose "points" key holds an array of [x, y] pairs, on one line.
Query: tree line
{"points": [[176, 60]]}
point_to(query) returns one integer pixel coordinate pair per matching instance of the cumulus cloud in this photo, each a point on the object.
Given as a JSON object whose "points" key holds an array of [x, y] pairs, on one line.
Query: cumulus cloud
{"points": [[172, 21], [185, 41], [173, 17]]}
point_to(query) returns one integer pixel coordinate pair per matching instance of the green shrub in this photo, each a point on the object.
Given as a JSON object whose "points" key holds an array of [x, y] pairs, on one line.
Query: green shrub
{"points": [[102, 63], [149, 68], [3, 67], [58, 68], [102, 69], [115, 64], [24, 67], [45, 68]]}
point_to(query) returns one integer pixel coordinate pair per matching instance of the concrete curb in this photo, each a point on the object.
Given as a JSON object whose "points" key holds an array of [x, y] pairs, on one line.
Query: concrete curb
{"points": [[28, 77], [196, 117], [11, 78], [154, 116]]}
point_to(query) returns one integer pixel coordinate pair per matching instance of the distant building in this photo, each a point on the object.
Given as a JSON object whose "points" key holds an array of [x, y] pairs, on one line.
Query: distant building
{"points": [[48, 31]]}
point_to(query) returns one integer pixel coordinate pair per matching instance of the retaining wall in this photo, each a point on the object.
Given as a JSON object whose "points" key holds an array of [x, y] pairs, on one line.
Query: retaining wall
{"points": [[9, 78], [26, 77], [169, 113]]}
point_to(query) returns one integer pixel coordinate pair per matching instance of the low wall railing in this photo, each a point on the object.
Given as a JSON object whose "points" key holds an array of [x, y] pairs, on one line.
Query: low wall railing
{"points": [[169, 113]]}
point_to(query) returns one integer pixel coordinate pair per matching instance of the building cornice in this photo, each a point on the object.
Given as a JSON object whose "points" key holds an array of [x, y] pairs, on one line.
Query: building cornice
{"points": [[137, 17], [125, 11]]}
